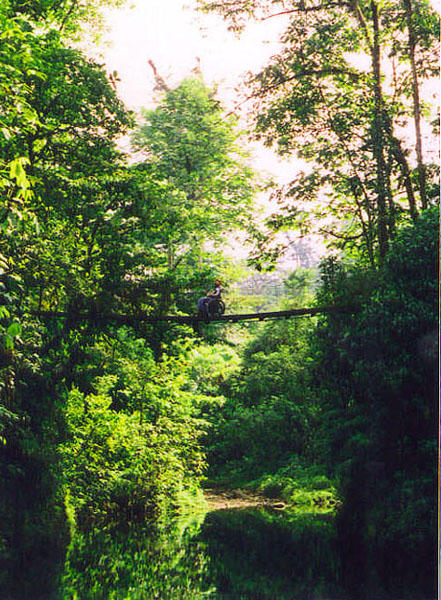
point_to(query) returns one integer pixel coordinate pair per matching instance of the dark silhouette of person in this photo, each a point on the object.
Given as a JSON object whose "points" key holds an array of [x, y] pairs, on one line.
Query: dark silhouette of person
{"points": [[203, 302]]}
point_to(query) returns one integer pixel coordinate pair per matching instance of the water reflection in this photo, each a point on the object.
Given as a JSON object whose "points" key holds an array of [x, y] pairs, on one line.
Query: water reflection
{"points": [[138, 563], [234, 554], [266, 555], [238, 554]]}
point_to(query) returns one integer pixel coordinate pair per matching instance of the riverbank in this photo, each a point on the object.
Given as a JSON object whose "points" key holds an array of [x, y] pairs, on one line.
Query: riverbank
{"points": [[238, 498]]}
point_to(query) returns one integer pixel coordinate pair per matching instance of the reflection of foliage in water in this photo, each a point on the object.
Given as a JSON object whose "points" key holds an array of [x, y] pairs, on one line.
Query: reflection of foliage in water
{"points": [[236, 554], [242, 554], [138, 563], [262, 555]]}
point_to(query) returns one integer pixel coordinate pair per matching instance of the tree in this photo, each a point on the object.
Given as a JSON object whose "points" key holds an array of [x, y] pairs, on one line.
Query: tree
{"points": [[376, 377], [58, 125], [314, 100], [194, 146], [82, 232], [60, 120], [412, 35], [203, 182]]}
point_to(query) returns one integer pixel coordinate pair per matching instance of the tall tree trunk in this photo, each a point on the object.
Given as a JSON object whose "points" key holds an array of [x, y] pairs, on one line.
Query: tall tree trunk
{"points": [[378, 139], [377, 125], [400, 158], [416, 104]]}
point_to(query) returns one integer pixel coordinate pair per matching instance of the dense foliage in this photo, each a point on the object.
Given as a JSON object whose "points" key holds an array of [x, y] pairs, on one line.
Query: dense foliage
{"points": [[343, 93], [50, 126], [268, 398], [378, 378], [103, 424], [96, 420]]}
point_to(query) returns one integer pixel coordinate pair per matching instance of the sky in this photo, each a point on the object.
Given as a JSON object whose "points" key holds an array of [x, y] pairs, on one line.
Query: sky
{"points": [[174, 36], [177, 38]]}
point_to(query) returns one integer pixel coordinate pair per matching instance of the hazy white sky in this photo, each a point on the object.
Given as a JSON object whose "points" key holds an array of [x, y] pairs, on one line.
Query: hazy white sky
{"points": [[173, 34]]}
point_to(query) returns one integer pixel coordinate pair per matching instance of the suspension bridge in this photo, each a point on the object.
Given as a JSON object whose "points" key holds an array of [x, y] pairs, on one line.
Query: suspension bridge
{"points": [[190, 319]]}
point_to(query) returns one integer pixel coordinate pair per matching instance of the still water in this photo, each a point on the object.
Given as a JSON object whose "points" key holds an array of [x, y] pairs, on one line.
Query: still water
{"points": [[239, 554]]}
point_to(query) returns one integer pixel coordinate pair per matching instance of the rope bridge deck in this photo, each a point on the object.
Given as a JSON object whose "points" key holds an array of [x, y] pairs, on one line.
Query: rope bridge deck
{"points": [[190, 319]]}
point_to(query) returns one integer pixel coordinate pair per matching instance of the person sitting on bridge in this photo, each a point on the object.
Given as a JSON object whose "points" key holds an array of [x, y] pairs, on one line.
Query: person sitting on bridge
{"points": [[203, 302]]}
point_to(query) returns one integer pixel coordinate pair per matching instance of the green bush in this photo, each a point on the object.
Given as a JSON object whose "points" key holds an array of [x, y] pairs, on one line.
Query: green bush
{"points": [[377, 376]]}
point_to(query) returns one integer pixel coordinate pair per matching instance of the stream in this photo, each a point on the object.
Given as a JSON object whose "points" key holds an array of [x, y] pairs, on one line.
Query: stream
{"points": [[238, 550]]}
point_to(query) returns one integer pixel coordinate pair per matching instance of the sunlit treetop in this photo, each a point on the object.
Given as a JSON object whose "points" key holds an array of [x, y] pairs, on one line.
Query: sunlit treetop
{"points": [[71, 18]]}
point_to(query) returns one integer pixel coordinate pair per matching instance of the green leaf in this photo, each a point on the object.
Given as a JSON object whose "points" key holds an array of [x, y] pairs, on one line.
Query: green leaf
{"points": [[6, 133], [14, 329], [4, 312]]}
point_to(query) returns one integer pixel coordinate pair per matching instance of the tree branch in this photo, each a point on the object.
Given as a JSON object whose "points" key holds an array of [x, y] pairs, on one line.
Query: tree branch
{"points": [[67, 15], [304, 9], [346, 238]]}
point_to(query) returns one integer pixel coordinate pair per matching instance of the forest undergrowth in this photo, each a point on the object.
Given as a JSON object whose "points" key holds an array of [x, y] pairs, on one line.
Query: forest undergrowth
{"points": [[105, 425]]}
